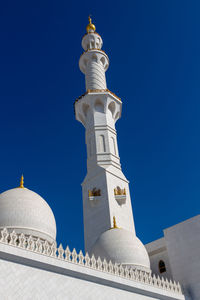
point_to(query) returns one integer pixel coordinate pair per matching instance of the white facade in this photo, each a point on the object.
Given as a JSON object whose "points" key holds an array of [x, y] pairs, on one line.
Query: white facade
{"points": [[119, 266], [179, 250]]}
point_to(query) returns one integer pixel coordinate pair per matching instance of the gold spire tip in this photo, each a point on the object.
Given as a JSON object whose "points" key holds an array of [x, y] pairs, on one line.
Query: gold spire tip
{"points": [[22, 182], [90, 27]]}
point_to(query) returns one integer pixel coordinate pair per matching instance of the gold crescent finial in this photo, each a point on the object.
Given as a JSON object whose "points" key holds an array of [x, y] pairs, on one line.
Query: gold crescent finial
{"points": [[90, 27], [22, 182]]}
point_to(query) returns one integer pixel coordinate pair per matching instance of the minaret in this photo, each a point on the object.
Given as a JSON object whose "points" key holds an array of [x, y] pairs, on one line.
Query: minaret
{"points": [[105, 188]]}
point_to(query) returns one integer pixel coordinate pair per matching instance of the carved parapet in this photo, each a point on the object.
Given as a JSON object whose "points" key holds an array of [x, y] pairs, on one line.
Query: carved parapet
{"points": [[120, 195], [136, 273]]}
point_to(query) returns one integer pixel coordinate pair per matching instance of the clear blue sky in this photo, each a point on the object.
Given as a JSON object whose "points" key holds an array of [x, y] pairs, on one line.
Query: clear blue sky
{"points": [[154, 51]]}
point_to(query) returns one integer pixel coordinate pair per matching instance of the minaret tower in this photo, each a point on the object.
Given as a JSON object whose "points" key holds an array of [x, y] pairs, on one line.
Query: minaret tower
{"points": [[105, 188]]}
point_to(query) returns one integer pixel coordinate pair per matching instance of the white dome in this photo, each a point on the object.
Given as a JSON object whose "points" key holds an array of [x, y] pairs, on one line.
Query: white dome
{"points": [[25, 211], [123, 247]]}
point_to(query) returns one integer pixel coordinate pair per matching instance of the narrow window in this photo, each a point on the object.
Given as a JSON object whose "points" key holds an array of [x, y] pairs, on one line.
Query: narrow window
{"points": [[102, 146], [161, 266]]}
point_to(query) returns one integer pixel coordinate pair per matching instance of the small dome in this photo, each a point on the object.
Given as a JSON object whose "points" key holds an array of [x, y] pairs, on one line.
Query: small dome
{"points": [[26, 212], [123, 247]]}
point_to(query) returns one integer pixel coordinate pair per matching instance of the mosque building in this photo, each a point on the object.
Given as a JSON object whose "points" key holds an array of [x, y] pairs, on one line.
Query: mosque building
{"points": [[116, 264]]}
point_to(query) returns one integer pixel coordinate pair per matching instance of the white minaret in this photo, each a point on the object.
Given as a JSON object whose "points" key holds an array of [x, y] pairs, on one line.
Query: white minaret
{"points": [[106, 195], [105, 188]]}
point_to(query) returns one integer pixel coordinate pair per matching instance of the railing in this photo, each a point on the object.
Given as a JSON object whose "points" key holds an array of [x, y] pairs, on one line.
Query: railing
{"points": [[37, 245]]}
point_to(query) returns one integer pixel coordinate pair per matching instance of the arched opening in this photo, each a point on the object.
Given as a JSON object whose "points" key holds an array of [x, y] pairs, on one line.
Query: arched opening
{"points": [[103, 60], [99, 106], [111, 107], [94, 58], [161, 266], [97, 42]]}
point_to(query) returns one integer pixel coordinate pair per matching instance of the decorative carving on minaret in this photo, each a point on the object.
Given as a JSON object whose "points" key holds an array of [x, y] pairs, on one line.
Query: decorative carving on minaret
{"points": [[120, 195], [119, 191], [94, 192], [93, 196]]}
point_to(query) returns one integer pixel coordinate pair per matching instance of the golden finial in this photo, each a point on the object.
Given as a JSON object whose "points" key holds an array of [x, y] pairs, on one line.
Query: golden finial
{"points": [[90, 27], [114, 223], [22, 182]]}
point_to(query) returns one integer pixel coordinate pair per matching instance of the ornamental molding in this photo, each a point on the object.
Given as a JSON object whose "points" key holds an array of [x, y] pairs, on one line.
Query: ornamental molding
{"points": [[97, 91]]}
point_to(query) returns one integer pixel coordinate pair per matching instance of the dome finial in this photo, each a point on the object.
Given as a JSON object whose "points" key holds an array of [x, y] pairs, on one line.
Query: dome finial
{"points": [[90, 27], [90, 20], [22, 182]]}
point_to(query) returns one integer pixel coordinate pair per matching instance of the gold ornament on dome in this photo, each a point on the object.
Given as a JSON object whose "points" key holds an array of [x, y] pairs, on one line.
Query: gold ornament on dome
{"points": [[21, 182], [114, 223], [90, 27]]}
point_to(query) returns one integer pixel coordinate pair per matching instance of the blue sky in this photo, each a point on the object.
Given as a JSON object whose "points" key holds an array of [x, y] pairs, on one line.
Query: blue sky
{"points": [[154, 51]]}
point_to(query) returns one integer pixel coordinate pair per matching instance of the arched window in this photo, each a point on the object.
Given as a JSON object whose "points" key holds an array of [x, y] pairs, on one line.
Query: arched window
{"points": [[161, 266], [99, 106], [111, 107]]}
